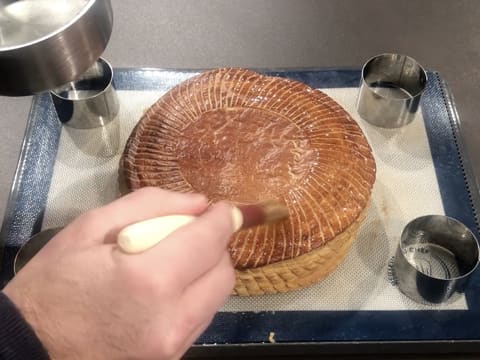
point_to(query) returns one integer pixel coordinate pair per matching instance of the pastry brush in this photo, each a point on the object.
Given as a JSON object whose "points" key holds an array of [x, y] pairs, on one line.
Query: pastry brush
{"points": [[143, 235]]}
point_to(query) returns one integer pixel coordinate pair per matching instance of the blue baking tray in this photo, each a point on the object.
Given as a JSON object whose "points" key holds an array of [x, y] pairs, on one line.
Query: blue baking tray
{"points": [[306, 331]]}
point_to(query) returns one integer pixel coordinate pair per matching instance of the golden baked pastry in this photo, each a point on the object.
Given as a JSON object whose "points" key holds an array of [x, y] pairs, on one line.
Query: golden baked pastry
{"points": [[238, 135]]}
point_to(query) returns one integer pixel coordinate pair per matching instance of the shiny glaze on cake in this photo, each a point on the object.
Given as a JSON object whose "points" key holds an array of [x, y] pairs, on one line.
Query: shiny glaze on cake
{"points": [[237, 135]]}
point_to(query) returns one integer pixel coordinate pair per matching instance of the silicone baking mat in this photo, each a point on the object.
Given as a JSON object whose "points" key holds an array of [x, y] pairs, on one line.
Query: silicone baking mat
{"points": [[420, 170]]}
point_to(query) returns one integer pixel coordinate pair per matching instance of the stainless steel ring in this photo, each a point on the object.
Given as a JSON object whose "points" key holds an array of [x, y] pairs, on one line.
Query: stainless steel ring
{"points": [[32, 247], [90, 101], [391, 87], [435, 258]]}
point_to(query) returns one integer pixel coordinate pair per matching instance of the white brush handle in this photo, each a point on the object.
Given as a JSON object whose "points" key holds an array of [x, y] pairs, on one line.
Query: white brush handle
{"points": [[143, 235]]}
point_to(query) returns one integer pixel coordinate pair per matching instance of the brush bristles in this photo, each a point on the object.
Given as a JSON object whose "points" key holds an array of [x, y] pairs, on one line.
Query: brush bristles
{"points": [[264, 212]]}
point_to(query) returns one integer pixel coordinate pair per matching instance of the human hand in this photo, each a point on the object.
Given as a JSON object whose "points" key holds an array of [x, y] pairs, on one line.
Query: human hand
{"points": [[86, 299]]}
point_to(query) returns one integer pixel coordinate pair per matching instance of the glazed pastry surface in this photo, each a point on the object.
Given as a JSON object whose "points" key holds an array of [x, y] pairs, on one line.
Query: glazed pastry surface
{"points": [[241, 136]]}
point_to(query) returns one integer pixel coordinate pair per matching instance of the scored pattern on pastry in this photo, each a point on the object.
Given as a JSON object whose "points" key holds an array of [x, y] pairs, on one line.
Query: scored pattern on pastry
{"points": [[241, 136]]}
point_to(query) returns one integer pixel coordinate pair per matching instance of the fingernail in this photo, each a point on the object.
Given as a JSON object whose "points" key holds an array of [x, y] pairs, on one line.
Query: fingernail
{"points": [[237, 218]]}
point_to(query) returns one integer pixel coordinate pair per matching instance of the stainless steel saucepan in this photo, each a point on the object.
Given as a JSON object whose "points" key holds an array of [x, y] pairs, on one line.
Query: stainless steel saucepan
{"points": [[48, 43]]}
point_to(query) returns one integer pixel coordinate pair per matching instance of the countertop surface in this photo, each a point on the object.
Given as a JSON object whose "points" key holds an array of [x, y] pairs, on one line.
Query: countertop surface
{"points": [[442, 35]]}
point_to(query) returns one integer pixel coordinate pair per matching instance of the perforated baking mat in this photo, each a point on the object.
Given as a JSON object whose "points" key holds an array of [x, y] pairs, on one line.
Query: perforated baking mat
{"points": [[421, 169]]}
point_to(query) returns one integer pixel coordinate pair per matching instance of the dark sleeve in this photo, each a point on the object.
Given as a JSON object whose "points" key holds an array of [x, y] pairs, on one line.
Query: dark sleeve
{"points": [[18, 341]]}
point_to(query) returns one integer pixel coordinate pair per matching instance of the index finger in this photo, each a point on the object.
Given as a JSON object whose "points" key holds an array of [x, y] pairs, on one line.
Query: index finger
{"points": [[102, 225], [194, 249]]}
